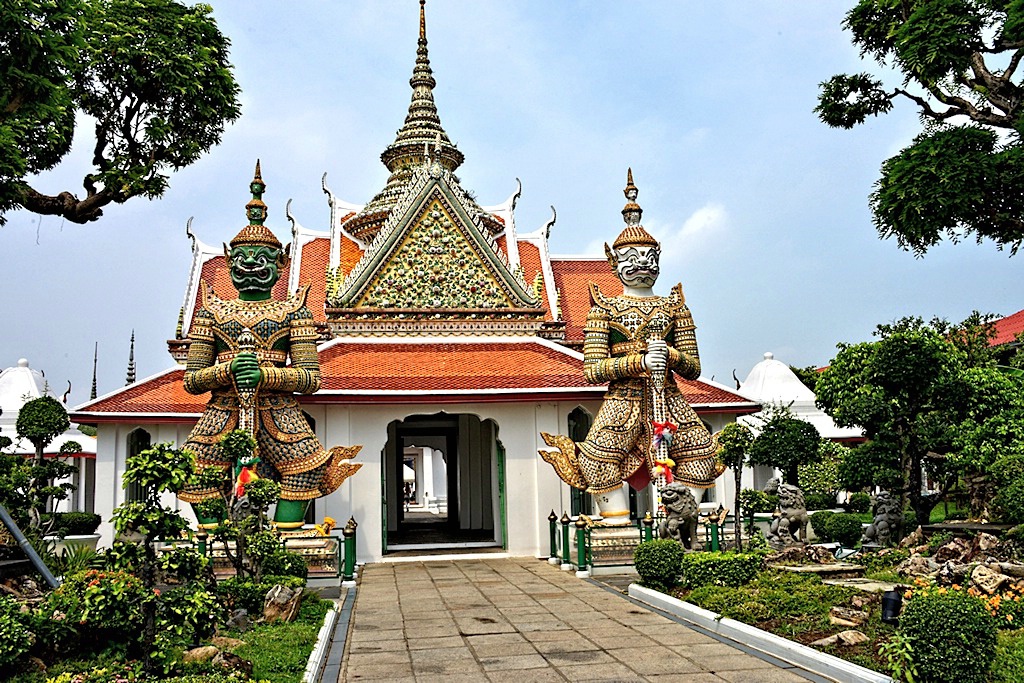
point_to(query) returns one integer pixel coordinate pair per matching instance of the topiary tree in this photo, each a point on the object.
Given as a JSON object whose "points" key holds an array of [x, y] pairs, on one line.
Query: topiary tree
{"points": [[658, 563], [40, 421], [734, 443], [785, 442], [952, 634]]}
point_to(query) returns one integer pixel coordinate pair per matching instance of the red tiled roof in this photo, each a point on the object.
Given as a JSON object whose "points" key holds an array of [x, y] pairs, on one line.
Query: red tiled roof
{"points": [[426, 371], [1008, 328], [350, 254], [439, 366], [163, 394], [316, 256], [573, 278], [502, 244], [529, 259]]}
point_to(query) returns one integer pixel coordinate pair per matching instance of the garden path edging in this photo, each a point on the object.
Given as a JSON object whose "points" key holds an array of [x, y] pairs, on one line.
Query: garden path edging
{"points": [[317, 657], [796, 653]]}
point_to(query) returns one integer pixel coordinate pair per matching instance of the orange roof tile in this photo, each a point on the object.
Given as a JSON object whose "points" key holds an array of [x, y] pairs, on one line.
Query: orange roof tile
{"points": [[424, 371], [573, 278], [163, 394], [316, 256], [502, 244], [433, 366], [350, 254], [1008, 328], [529, 259]]}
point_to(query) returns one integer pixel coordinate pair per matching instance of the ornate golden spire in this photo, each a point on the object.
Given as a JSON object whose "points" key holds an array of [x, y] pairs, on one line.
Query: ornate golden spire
{"points": [[421, 135], [634, 234], [256, 212]]}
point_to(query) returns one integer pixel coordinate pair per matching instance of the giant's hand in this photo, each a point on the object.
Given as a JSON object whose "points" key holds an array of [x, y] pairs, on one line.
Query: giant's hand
{"points": [[656, 358], [246, 370]]}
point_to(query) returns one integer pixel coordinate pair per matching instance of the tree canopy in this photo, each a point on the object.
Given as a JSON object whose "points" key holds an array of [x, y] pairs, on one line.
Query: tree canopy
{"points": [[151, 76], [931, 402], [784, 442], [959, 60]]}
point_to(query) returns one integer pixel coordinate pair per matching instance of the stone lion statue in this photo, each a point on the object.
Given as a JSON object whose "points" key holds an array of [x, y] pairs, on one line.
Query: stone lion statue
{"points": [[790, 524], [885, 525], [680, 523]]}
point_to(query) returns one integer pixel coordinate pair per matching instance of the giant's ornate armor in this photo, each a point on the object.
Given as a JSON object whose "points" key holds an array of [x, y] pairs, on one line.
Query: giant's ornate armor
{"points": [[618, 446], [289, 451], [635, 342]]}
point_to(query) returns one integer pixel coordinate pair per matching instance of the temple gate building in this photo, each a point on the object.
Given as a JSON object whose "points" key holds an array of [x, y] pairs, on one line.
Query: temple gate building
{"points": [[448, 341]]}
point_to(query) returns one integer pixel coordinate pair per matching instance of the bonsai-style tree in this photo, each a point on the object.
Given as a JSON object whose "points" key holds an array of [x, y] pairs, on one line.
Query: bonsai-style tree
{"points": [[959, 65], [244, 531], [784, 442], [40, 421], [152, 75], [734, 443]]}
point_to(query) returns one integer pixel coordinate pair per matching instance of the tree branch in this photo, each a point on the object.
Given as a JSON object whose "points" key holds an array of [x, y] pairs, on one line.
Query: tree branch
{"points": [[65, 204]]}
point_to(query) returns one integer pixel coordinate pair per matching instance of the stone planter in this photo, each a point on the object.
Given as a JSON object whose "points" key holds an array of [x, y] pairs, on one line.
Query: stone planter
{"points": [[69, 542]]}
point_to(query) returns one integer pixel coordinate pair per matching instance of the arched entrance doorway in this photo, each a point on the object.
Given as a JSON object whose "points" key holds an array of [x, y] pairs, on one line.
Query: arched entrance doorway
{"points": [[443, 483]]}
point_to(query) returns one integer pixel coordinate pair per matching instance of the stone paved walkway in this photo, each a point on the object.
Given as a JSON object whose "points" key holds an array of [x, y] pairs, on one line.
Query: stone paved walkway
{"points": [[524, 620]]}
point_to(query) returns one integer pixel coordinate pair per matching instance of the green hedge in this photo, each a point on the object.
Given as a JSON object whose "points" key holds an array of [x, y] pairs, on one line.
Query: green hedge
{"points": [[657, 562], [954, 637], [720, 568], [842, 527]]}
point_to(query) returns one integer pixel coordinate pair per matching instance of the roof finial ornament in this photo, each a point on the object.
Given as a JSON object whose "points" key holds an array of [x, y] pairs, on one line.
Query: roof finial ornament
{"points": [[188, 231], [130, 377], [256, 232], [256, 210], [631, 212], [423, 20], [95, 359]]}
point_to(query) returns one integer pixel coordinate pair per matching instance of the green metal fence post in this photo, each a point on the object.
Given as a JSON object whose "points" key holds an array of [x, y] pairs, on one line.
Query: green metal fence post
{"points": [[201, 542], [348, 577], [553, 530], [582, 554], [648, 522], [566, 557], [713, 525]]}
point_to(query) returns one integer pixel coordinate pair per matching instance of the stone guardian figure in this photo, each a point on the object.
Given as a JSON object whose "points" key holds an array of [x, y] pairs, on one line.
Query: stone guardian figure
{"points": [[637, 342], [239, 352]]}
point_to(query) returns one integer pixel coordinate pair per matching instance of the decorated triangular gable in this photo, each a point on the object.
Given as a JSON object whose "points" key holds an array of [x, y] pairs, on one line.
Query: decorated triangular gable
{"points": [[434, 256]]}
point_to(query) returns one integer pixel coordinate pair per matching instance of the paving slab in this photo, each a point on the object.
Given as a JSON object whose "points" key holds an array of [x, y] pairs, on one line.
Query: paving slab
{"points": [[522, 619]]}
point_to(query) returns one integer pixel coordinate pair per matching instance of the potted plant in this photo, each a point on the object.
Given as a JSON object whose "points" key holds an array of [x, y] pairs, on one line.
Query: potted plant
{"points": [[72, 529]]}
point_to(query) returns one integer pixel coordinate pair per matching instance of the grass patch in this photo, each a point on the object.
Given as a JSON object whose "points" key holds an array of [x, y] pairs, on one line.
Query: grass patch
{"points": [[1008, 666], [279, 652]]}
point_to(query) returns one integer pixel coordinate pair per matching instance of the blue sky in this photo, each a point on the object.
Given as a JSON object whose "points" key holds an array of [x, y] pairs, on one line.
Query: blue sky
{"points": [[762, 209]]}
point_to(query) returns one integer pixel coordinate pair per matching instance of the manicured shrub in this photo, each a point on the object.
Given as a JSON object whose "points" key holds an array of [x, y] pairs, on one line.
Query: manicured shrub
{"points": [[752, 500], [286, 563], [819, 522], [657, 562], [819, 501], [76, 523], [15, 638], [859, 502], [182, 564], [844, 528], [720, 568], [953, 636]]}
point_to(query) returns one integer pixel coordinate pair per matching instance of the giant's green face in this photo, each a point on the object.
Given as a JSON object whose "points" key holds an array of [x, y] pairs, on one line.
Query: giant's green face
{"points": [[254, 269]]}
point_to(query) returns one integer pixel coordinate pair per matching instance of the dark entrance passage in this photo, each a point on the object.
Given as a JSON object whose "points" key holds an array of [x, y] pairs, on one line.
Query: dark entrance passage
{"points": [[441, 483]]}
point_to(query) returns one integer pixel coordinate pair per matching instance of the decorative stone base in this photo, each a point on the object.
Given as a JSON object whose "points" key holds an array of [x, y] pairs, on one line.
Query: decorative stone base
{"points": [[612, 545]]}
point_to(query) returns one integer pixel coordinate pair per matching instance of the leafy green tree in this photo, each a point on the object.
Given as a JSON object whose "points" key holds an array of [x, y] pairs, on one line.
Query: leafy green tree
{"points": [[959, 63], [734, 442], [40, 421], [808, 376], [785, 442], [931, 402], [153, 75]]}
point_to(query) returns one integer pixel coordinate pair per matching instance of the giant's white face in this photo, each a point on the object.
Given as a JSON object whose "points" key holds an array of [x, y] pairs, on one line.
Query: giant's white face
{"points": [[637, 266]]}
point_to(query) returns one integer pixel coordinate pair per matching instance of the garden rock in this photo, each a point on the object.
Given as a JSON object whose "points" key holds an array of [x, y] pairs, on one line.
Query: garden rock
{"points": [[914, 539], [844, 638], [987, 542], [200, 654], [988, 580], [952, 573], [819, 555], [958, 549], [239, 620], [225, 643], [916, 565], [232, 662], [282, 604], [843, 616], [789, 555]]}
